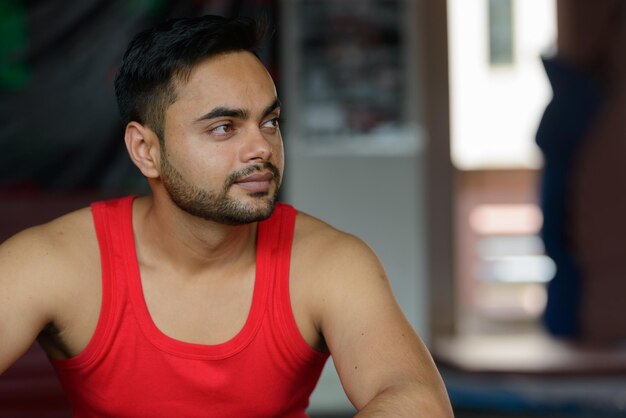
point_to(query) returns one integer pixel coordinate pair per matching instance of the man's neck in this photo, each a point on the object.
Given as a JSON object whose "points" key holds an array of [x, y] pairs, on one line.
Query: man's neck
{"points": [[168, 235]]}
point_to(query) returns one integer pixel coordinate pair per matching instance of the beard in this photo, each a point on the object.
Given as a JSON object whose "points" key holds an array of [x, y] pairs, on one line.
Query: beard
{"points": [[219, 206]]}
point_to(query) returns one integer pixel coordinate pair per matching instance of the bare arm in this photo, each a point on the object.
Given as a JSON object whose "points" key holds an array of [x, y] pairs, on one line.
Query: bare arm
{"points": [[25, 296], [383, 365]]}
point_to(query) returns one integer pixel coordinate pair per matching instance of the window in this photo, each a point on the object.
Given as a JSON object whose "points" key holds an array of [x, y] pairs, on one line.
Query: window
{"points": [[501, 32]]}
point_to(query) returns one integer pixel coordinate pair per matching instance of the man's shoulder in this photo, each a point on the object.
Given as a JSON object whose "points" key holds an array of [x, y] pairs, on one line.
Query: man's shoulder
{"points": [[327, 247], [51, 244], [316, 232]]}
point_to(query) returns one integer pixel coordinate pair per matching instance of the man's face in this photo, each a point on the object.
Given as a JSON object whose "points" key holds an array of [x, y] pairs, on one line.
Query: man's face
{"points": [[222, 155]]}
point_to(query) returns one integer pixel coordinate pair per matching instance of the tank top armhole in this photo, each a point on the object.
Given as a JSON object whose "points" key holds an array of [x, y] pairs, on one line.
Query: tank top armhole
{"points": [[294, 339], [101, 214]]}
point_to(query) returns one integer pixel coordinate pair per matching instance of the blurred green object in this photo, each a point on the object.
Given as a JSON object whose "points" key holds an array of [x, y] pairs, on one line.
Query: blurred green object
{"points": [[14, 71]]}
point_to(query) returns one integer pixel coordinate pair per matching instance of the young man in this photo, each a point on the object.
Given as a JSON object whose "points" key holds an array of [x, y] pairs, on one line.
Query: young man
{"points": [[207, 298]]}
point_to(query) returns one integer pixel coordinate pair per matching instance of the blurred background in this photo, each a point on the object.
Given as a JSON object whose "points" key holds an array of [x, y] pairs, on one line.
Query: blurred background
{"points": [[476, 145]]}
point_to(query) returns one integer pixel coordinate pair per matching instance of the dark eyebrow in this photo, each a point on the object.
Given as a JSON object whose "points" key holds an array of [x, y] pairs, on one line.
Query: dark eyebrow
{"points": [[219, 112], [275, 105], [222, 111]]}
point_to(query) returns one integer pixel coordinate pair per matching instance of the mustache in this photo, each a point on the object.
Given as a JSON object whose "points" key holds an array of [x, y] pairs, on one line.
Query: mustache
{"points": [[245, 172]]}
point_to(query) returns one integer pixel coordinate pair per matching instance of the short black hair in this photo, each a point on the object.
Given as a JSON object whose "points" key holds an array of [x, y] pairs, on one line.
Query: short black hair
{"points": [[156, 59]]}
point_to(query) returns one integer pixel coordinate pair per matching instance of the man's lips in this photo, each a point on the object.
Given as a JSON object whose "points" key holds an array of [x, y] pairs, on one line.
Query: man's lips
{"points": [[256, 177], [257, 182]]}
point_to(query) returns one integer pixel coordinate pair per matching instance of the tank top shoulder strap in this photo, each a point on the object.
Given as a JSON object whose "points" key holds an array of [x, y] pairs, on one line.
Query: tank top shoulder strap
{"points": [[276, 234], [282, 234], [109, 218]]}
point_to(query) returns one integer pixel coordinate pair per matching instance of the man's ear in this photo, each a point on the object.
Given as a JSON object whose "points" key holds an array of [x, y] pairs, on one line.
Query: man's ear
{"points": [[143, 147]]}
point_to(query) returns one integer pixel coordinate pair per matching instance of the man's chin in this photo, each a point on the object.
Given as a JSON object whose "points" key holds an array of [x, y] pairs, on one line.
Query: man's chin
{"points": [[247, 214], [263, 213]]}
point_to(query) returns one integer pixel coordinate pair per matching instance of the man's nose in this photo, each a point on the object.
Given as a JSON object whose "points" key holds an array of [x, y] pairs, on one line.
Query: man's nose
{"points": [[257, 146]]}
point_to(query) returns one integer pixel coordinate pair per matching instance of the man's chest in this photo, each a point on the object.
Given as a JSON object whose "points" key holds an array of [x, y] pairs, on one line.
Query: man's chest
{"points": [[209, 310], [205, 311]]}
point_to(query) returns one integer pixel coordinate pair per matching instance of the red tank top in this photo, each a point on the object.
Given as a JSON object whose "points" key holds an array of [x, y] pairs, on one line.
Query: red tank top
{"points": [[131, 369]]}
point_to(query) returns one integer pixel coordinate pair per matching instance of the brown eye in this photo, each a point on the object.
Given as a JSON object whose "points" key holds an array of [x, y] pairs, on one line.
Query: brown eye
{"points": [[222, 129], [272, 123]]}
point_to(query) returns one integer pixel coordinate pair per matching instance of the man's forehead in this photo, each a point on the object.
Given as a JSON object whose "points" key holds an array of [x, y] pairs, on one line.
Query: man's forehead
{"points": [[235, 81], [237, 67], [233, 73]]}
